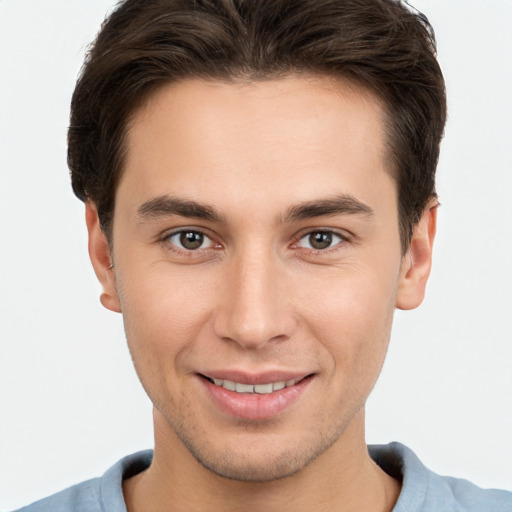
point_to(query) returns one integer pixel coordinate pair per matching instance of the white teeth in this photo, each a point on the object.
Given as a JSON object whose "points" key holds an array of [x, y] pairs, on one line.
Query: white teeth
{"points": [[229, 385], [261, 389], [244, 388]]}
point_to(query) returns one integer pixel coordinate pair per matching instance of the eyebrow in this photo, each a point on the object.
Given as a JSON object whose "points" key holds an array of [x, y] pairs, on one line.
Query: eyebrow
{"points": [[167, 206], [344, 204]]}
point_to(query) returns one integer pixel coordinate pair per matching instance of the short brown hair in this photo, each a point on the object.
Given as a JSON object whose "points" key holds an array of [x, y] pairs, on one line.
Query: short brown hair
{"points": [[145, 44]]}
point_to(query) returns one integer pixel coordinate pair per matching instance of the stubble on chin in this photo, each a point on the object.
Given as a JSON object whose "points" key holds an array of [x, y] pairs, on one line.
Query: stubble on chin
{"points": [[267, 460]]}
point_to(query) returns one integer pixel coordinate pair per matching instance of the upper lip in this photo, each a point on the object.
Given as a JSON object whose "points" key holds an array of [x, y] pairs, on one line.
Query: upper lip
{"points": [[255, 378]]}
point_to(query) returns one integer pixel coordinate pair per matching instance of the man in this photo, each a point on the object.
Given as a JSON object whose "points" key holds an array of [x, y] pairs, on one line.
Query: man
{"points": [[259, 188]]}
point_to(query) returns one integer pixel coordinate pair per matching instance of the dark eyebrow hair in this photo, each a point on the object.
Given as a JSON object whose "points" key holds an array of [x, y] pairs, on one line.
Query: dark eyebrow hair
{"points": [[165, 206], [339, 205]]}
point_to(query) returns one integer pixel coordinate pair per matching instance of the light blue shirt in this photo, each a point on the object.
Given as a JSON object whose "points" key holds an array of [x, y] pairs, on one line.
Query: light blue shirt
{"points": [[422, 490]]}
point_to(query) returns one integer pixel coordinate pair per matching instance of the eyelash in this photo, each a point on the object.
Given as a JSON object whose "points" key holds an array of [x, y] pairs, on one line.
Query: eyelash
{"points": [[167, 239], [342, 240]]}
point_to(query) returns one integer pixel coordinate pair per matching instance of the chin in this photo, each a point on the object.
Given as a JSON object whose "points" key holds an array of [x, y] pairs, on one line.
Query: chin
{"points": [[262, 461], [235, 466]]}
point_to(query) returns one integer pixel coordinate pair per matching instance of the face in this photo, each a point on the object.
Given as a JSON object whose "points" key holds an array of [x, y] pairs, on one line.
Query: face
{"points": [[257, 264]]}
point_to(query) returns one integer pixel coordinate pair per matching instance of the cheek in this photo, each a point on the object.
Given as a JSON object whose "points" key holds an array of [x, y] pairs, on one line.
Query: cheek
{"points": [[352, 316], [163, 315]]}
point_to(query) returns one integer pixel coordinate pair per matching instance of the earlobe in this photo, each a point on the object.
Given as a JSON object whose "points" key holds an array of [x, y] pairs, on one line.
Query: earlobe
{"points": [[416, 264], [101, 259]]}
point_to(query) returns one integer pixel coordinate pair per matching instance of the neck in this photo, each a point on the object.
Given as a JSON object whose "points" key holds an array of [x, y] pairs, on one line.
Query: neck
{"points": [[343, 478]]}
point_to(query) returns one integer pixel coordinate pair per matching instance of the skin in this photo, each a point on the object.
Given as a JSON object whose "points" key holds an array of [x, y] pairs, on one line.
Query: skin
{"points": [[255, 296]]}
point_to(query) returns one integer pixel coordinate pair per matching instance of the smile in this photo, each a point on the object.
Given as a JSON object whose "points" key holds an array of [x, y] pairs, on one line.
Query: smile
{"points": [[260, 389], [257, 397]]}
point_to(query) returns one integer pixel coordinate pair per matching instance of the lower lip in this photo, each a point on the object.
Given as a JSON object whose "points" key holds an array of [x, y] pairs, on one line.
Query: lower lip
{"points": [[251, 406]]}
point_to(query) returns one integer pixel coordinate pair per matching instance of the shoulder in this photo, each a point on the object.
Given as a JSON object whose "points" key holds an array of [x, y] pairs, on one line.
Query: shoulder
{"points": [[425, 491], [97, 495], [82, 497]]}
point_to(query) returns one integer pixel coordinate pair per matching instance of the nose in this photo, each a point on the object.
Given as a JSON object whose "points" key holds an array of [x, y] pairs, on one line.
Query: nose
{"points": [[255, 306]]}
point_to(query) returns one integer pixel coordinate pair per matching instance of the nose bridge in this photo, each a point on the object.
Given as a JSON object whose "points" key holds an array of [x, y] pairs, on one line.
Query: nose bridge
{"points": [[254, 309]]}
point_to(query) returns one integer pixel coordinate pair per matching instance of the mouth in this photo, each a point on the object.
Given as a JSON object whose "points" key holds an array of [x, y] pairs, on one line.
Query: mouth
{"points": [[258, 389], [257, 397]]}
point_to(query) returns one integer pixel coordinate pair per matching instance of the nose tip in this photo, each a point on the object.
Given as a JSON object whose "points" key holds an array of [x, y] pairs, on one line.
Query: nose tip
{"points": [[255, 310], [253, 327], [251, 335]]}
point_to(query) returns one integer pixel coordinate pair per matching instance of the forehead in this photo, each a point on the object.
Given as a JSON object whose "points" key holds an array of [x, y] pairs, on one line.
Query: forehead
{"points": [[306, 136]]}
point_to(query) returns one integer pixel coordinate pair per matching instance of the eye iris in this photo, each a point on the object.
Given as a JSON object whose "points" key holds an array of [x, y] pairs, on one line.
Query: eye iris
{"points": [[191, 239], [320, 240]]}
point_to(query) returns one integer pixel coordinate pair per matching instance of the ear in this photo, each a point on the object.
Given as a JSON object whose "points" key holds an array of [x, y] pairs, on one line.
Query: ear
{"points": [[101, 259], [417, 262]]}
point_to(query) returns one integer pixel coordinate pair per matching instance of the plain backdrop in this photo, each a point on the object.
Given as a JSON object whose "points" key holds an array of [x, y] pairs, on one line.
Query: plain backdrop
{"points": [[70, 403]]}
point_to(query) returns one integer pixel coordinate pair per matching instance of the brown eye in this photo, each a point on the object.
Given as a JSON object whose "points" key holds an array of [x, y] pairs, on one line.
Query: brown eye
{"points": [[190, 240], [320, 240]]}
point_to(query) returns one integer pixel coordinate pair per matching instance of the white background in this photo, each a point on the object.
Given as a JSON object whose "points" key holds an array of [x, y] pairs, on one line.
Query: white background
{"points": [[70, 403]]}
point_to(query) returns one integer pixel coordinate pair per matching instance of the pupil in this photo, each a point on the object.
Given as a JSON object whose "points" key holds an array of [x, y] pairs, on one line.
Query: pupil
{"points": [[320, 240], [191, 240]]}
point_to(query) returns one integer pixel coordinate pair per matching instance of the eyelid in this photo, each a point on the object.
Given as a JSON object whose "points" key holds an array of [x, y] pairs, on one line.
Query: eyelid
{"points": [[165, 238], [343, 235]]}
